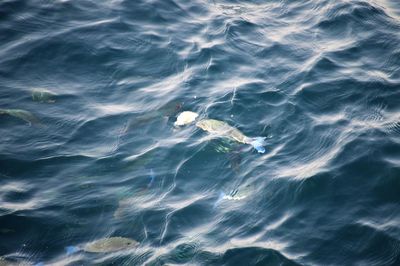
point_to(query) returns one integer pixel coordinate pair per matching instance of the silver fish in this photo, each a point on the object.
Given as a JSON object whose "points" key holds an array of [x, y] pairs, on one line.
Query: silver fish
{"points": [[42, 95], [21, 114], [110, 244], [222, 129]]}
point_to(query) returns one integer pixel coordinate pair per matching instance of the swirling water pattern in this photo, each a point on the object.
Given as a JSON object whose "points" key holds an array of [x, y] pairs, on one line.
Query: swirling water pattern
{"points": [[320, 79]]}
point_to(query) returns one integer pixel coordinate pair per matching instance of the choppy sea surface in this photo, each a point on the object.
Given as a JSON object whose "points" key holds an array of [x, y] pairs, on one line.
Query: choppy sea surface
{"points": [[95, 153]]}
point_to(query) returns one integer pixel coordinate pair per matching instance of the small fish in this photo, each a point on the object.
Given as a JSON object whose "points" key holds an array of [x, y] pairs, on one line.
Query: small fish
{"points": [[105, 245], [42, 95], [221, 129], [21, 114]]}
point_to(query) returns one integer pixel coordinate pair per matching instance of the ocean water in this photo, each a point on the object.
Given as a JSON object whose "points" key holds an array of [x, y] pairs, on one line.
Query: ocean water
{"points": [[97, 154]]}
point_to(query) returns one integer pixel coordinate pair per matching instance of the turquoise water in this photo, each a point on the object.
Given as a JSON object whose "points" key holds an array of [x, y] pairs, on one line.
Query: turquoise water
{"points": [[98, 156]]}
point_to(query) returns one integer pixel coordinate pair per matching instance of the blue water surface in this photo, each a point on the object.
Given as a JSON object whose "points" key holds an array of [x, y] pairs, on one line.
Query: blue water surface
{"points": [[100, 157]]}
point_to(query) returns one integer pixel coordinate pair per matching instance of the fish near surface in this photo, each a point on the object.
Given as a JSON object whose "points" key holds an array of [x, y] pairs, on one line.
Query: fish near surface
{"points": [[110, 244], [42, 95], [21, 114], [222, 129]]}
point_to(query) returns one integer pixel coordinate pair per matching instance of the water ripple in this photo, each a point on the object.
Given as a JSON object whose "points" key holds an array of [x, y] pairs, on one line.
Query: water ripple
{"points": [[318, 79]]}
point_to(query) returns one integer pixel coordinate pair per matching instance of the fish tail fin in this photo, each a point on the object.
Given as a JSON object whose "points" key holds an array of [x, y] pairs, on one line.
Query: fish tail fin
{"points": [[71, 250], [258, 144]]}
